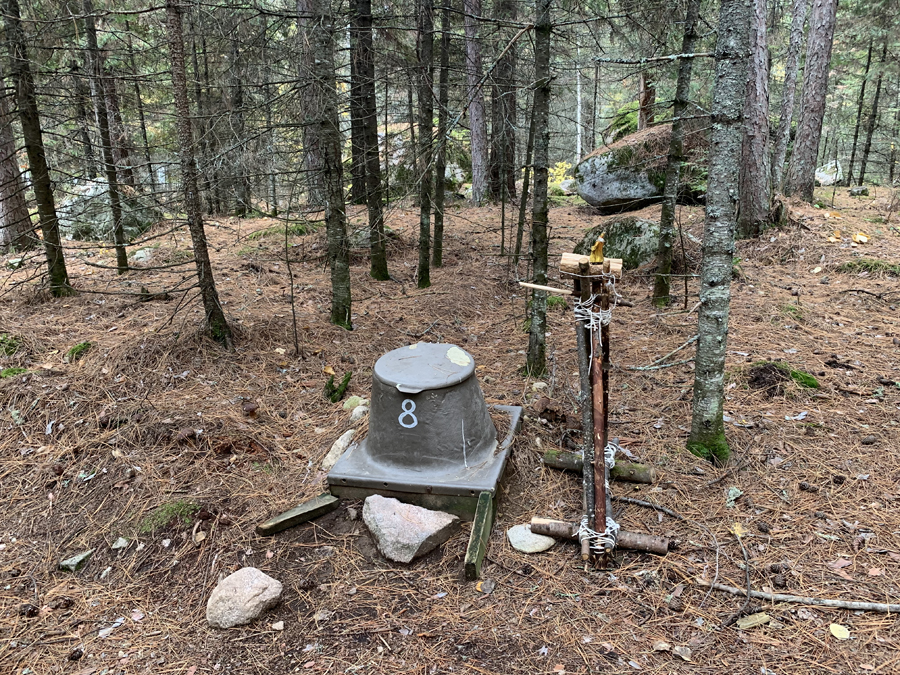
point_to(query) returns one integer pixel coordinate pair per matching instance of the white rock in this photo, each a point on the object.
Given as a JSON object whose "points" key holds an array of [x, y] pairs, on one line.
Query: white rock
{"points": [[278, 625], [354, 401], [539, 386], [358, 413], [403, 531], [339, 448], [241, 597], [121, 542], [523, 539]]}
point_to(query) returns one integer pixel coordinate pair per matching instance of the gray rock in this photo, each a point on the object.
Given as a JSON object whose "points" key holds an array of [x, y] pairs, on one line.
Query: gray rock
{"points": [[569, 187], [354, 401], [337, 449], [121, 542], [859, 192], [358, 413], [76, 562], [830, 173], [360, 238], [142, 255], [523, 539], [634, 240], [403, 531], [85, 213], [630, 173], [241, 597]]}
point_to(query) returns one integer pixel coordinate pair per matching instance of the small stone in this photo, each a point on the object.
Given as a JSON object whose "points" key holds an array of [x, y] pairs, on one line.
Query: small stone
{"points": [[763, 527], [539, 386], [838, 479], [523, 539], [76, 562], [824, 280], [403, 531], [487, 379], [358, 413], [241, 597], [859, 192], [352, 514], [354, 401], [869, 440], [121, 542], [322, 615], [278, 625], [806, 487], [337, 449], [779, 581]]}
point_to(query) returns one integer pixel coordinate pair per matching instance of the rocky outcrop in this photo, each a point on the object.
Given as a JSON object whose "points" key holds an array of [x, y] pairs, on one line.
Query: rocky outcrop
{"points": [[630, 173], [85, 213], [634, 240]]}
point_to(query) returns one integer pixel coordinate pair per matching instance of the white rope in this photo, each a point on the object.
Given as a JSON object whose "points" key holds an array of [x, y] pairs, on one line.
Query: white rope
{"points": [[597, 318], [602, 541]]}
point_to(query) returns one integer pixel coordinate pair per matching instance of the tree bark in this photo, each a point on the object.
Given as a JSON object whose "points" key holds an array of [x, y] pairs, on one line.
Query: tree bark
{"points": [[536, 363], [755, 193], [873, 117], [895, 136], [151, 174], [271, 169], [475, 97], [426, 117], [789, 95], [523, 199], [82, 98], [860, 103], [122, 147], [34, 147], [310, 107], [357, 144], [802, 168], [109, 163], [707, 437], [646, 100], [215, 318], [240, 157], [675, 159], [15, 222], [440, 164], [328, 132], [503, 114], [363, 56]]}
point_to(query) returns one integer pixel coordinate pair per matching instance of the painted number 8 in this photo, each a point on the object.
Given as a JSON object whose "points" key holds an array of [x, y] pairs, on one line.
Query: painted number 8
{"points": [[408, 413]]}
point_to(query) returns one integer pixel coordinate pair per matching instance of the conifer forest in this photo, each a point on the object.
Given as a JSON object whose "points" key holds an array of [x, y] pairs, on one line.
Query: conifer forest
{"points": [[629, 271]]}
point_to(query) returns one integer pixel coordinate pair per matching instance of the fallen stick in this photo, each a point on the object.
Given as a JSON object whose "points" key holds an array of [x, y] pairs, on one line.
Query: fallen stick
{"points": [[631, 472], [549, 289], [648, 505], [633, 541], [821, 602]]}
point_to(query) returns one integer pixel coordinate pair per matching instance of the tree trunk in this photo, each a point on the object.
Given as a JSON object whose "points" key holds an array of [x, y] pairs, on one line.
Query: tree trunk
{"points": [[646, 100], [34, 147], [329, 134], [98, 86], [82, 98], [426, 117], [364, 58], [15, 223], [860, 103], [440, 164], [789, 95], [895, 136], [523, 199], [122, 147], [675, 159], [707, 437], [504, 113], [475, 97], [310, 108], [873, 117], [802, 168], [755, 193], [140, 108], [271, 169], [357, 152], [536, 358], [240, 170], [215, 317], [202, 124]]}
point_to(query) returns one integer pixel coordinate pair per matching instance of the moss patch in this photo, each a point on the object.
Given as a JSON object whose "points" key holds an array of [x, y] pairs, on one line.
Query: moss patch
{"points": [[715, 450], [770, 376], [172, 514], [12, 372], [78, 351], [9, 344], [293, 230], [871, 266]]}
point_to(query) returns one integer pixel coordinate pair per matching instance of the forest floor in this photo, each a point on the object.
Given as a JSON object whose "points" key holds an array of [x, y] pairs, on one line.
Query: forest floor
{"points": [[145, 437]]}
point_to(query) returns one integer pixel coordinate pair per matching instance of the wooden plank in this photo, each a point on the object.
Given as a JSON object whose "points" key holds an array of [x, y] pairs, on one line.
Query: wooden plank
{"points": [[478, 539], [313, 508], [569, 262], [549, 289]]}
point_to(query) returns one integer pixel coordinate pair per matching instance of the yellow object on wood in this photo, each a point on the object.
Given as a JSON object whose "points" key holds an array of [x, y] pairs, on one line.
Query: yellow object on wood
{"points": [[597, 250]]}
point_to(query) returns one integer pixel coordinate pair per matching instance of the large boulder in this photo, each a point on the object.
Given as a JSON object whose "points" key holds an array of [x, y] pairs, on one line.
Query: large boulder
{"points": [[630, 173], [85, 213], [634, 240], [830, 173]]}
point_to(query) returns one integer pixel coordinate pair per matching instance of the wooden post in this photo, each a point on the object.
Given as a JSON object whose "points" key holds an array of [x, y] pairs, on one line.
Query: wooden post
{"points": [[583, 339], [599, 398], [478, 539]]}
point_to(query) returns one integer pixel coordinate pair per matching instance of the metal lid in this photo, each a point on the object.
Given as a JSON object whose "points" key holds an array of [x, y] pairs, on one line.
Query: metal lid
{"points": [[424, 366]]}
